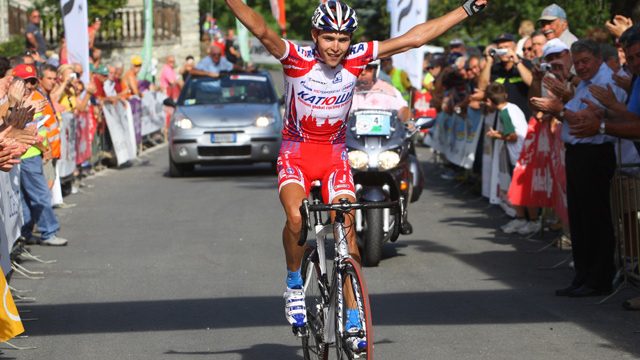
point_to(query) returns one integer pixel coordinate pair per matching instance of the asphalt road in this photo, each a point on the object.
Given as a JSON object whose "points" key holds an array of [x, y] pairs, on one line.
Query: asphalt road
{"points": [[192, 268]]}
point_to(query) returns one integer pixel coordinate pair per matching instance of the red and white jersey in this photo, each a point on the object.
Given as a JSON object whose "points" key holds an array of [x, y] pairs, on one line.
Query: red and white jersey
{"points": [[318, 97]]}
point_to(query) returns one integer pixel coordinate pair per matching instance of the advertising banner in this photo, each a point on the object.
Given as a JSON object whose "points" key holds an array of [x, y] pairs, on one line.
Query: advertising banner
{"points": [[152, 112], [76, 30], [120, 123], [405, 15], [67, 162], [10, 215]]}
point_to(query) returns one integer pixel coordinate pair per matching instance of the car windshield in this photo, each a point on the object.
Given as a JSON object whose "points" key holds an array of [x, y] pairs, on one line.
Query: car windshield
{"points": [[229, 89]]}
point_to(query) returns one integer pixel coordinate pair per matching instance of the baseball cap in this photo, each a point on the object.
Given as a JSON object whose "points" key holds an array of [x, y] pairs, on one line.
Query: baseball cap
{"points": [[136, 60], [553, 12], [25, 71], [504, 37], [456, 42], [554, 46]]}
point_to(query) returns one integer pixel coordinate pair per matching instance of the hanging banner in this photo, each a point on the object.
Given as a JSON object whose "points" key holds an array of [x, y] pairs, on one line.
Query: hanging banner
{"points": [[456, 137], [146, 73], [532, 183], [279, 13], [153, 115], [136, 111], [10, 322], [76, 30], [405, 15], [120, 123], [84, 137], [67, 162], [10, 215]]}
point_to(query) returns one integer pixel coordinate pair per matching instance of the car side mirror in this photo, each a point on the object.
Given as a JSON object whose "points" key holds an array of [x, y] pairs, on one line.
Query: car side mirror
{"points": [[169, 102]]}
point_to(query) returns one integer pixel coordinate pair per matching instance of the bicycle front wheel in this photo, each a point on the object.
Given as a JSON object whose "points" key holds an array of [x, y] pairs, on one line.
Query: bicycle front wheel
{"points": [[355, 294], [316, 296]]}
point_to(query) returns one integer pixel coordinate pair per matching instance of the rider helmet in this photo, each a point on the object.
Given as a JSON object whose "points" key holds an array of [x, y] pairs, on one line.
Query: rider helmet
{"points": [[375, 64], [335, 16]]}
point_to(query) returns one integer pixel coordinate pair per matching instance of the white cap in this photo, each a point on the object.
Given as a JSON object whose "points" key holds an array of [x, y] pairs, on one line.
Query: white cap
{"points": [[554, 46]]}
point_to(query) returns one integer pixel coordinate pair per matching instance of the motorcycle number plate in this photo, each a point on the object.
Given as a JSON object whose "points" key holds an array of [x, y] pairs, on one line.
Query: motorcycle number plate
{"points": [[373, 124]]}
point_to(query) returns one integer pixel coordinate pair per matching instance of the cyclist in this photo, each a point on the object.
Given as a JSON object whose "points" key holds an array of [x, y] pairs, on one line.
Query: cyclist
{"points": [[319, 83]]}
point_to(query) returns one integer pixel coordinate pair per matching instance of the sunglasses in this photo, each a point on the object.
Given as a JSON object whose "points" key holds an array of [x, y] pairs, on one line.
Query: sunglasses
{"points": [[527, 48], [31, 81]]}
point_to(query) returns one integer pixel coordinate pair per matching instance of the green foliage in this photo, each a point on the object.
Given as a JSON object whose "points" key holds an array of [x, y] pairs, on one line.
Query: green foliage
{"points": [[13, 47], [50, 11], [500, 16], [506, 15]]}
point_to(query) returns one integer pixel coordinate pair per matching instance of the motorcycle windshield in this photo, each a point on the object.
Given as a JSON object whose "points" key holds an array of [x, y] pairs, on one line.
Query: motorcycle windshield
{"points": [[373, 114]]}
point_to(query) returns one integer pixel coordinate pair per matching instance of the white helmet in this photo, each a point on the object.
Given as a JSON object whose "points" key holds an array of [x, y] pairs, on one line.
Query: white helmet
{"points": [[335, 16]]}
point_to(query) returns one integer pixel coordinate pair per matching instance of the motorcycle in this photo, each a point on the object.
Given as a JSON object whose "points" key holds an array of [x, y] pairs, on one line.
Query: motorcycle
{"points": [[385, 168]]}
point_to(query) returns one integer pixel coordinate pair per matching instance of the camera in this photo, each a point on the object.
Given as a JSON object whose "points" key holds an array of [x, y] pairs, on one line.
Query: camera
{"points": [[73, 76], [498, 52], [545, 67]]}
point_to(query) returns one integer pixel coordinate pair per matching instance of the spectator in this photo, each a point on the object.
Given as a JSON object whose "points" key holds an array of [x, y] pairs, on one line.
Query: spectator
{"points": [[610, 57], [169, 79], [525, 30], [185, 70], [94, 29], [457, 46], [527, 49], [537, 44], [432, 71], [399, 78], [553, 23], [130, 78], [508, 69], [34, 192], [34, 38], [513, 125], [96, 57], [590, 164], [232, 49], [213, 64]]}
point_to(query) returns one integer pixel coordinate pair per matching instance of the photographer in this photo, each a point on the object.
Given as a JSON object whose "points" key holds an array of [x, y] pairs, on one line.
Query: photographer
{"points": [[506, 68]]}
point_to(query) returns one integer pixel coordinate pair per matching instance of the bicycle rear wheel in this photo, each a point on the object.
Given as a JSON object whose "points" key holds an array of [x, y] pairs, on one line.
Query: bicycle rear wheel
{"points": [[352, 278], [315, 286]]}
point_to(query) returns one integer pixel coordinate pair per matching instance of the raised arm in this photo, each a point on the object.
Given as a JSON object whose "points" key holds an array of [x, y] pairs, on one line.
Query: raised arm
{"points": [[258, 27], [427, 31]]}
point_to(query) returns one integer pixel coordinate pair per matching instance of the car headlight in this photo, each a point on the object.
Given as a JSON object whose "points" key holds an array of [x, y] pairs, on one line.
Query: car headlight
{"points": [[388, 160], [264, 121], [358, 159], [183, 123]]}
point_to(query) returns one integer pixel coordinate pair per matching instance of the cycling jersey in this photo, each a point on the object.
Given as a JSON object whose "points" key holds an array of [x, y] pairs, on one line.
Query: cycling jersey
{"points": [[318, 97]]}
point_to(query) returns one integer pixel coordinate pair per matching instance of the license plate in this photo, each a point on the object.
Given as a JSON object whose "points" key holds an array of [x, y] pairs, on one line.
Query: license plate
{"points": [[222, 138]]}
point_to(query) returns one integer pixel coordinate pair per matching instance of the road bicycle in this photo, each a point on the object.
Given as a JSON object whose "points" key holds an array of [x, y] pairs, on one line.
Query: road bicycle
{"points": [[327, 295]]}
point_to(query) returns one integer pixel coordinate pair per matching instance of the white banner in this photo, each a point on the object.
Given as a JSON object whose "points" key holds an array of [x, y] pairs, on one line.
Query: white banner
{"points": [[406, 14], [10, 215], [76, 32], [153, 115], [67, 163], [120, 123], [496, 173]]}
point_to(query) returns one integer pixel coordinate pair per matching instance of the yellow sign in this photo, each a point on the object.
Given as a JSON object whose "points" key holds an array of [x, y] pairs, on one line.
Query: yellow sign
{"points": [[10, 323]]}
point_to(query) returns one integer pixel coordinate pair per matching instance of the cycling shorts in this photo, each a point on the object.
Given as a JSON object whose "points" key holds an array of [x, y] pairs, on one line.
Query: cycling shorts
{"points": [[303, 163]]}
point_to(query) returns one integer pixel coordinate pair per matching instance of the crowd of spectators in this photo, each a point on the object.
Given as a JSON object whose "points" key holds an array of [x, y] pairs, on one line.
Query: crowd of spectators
{"points": [[586, 91]]}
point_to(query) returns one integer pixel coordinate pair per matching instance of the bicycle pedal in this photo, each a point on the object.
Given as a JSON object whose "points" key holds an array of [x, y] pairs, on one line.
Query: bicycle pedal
{"points": [[300, 331]]}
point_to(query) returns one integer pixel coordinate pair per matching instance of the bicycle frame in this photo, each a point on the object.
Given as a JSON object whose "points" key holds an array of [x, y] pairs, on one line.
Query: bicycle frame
{"points": [[332, 310]]}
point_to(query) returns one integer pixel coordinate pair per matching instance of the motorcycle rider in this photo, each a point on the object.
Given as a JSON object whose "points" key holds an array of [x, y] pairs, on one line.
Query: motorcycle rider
{"points": [[373, 93]]}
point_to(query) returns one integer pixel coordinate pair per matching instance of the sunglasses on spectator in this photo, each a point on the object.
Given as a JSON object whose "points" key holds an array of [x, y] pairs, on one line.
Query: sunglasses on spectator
{"points": [[528, 48], [31, 81]]}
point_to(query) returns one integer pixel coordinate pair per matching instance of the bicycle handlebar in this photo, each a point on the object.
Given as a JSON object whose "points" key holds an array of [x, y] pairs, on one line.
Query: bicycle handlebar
{"points": [[343, 206]]}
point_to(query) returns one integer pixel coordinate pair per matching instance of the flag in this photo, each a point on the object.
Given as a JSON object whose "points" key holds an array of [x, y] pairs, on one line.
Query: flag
{"points": [[76, 30], [243, 40], [404, 16], [10, 323], [146, 73], [278, 11]]}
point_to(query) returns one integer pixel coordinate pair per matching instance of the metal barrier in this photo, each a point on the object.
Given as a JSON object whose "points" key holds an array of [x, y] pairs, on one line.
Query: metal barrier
{"points": [[625, 209]]}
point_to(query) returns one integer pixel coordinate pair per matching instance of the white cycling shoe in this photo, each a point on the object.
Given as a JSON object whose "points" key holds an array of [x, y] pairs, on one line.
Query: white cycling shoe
{"points": [[294, 308]]}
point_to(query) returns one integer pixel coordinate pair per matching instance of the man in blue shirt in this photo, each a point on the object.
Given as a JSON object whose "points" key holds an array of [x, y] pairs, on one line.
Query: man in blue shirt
{"points": [[589, 163], [213, 64]]}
